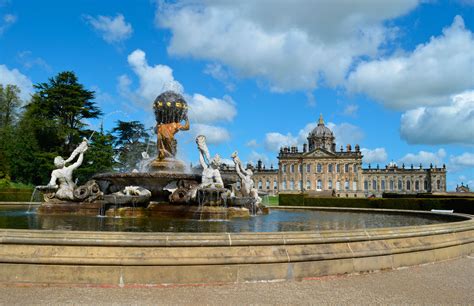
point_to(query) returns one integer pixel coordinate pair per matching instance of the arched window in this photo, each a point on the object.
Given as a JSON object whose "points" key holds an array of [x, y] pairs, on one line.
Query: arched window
{"points": [[338, 168], [267, 184], [330, 168], [300, 168], [383, 184], [284, 185], [346, 185], [300, 185], [346, 168], [355, 168], [330, 184], [354, 185], [308, 168], [292, 168], [308, 185], [259, 184], [284, 169], [408, 185], [400, 185], [366, 185], [319, 168], [417, 185], [338, 185], [374, 185], [275, 185], [292, 185], [319, 185], [392, 185]]}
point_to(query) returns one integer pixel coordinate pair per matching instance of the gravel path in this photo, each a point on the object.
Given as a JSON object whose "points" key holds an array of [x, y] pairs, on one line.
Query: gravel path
{"points": [[448, 282]]}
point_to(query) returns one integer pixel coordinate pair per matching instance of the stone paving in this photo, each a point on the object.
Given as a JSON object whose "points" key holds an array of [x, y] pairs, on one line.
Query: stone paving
{"points": [[448, 282]]}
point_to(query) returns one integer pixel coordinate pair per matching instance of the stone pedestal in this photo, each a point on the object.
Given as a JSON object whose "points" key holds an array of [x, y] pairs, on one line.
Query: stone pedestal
{"points": [[167, 164]]}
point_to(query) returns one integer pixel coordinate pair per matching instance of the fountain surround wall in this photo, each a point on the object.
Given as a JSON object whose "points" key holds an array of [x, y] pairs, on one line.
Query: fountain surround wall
{"points": [[122, 259]]}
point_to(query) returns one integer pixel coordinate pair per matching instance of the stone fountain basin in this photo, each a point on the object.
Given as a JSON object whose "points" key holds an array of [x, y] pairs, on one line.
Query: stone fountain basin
{"points": [[157, 259], [153, 181]]}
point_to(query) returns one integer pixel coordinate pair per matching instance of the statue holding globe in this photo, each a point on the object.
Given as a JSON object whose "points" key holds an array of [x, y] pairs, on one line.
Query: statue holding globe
{"points": [[171, 117]]}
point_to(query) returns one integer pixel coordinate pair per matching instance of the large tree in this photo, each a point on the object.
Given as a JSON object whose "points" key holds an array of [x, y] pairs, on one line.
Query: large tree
{"points": [[130, 140], [64, 103], [9, 105]]}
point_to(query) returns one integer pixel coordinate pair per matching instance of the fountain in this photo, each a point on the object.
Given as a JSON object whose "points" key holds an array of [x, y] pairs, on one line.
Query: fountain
{"points": [[157, 227], [160, 187]]}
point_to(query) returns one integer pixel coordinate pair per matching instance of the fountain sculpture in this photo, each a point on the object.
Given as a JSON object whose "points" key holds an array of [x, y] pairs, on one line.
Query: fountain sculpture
{"points": [[165, 189]]}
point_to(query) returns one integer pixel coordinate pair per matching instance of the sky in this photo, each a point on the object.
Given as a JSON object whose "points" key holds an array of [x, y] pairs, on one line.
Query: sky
{"points": [[395, 77]]}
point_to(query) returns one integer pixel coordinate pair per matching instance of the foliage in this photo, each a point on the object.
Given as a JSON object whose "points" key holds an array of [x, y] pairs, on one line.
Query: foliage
{"points": [[130, 140], [9, 105]]}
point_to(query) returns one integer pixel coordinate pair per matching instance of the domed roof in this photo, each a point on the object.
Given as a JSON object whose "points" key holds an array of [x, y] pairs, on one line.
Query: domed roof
{"points": [[321, 130]]}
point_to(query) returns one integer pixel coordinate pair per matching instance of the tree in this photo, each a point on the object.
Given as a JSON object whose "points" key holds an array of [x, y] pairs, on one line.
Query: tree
{"points": [[65, 103], [130, 140], [9, 105]]}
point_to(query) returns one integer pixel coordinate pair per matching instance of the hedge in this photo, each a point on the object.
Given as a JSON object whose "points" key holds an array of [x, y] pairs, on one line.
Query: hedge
{"points": [[459, 205], [15, 194]]}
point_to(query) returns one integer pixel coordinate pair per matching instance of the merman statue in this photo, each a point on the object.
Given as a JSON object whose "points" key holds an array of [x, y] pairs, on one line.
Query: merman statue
{"points": [[61, 178], [247, 185], [211, 177]]}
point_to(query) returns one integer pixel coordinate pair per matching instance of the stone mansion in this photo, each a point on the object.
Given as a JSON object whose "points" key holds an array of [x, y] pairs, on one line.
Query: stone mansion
{"points": [[320, 169]]}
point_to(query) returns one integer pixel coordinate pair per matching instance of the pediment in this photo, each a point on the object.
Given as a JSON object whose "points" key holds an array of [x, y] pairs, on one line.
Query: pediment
{"points": [[319, 153]]}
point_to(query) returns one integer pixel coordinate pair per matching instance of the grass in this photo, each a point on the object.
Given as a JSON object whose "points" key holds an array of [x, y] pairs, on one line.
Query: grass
{"points": [[272, 201]]}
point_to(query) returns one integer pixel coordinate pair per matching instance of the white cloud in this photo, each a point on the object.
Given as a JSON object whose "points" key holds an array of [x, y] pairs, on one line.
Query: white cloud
{"points": [[346, 133], [113, 30], [29, 61], [377, 155], [312, 41], [426, 77], [351, 110], [425, 158], [15, 77], [441, 125], [219, 73], [206, 110], [155, 79], [6, 22], [214, 134], [274, 141], [252, 143], [461, 162], [254, 157]]}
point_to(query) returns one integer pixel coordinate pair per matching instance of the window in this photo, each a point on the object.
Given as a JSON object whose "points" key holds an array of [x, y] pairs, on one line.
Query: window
{"points": [[354, 186], [259, 184], [338, 168], [284, 169], [308, 185], [308, 168], [374, 184], [438, 184], [355, 168], [408, 185], [292, 168], [330, 184], [319, 168], [275, 185], [400, 185], [346, 168], [392, 185], [267, 184], [319, 185], [417, 185], [383, 184], [300, 185], [366, 185], [292, 185], [284, 185], [300, 168], [426, 185], [330, 168], [346, 185], [338, 185]]}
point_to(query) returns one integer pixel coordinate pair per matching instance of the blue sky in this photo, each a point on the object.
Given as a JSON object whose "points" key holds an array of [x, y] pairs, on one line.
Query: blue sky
{"points": [[396, 77]]}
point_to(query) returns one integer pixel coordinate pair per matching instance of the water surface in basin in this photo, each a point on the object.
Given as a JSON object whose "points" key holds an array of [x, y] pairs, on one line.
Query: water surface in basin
{"points": [[278, 220]]}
